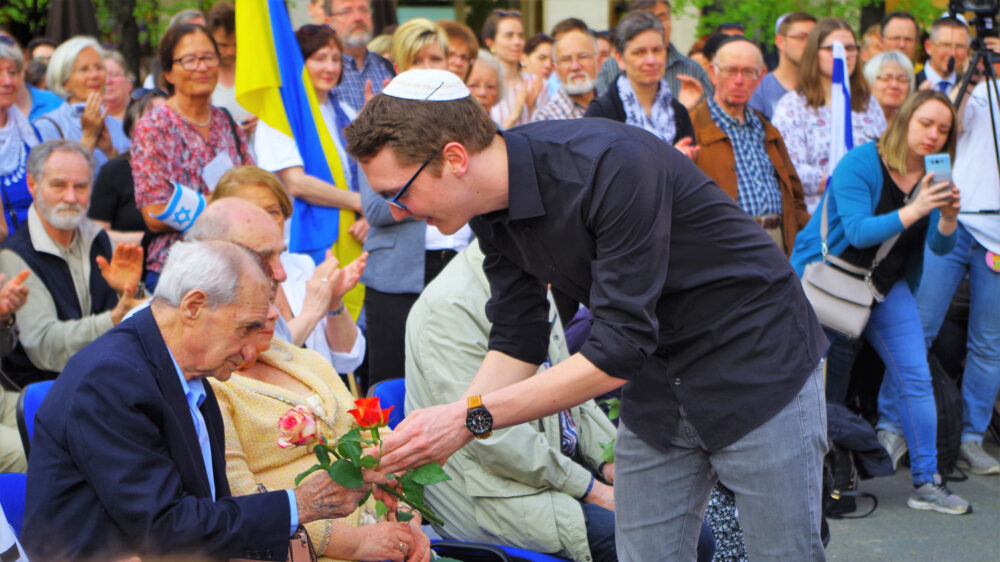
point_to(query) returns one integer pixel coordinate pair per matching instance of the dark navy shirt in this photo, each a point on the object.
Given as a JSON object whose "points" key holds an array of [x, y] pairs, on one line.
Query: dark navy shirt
{"points": [[692, 302]]}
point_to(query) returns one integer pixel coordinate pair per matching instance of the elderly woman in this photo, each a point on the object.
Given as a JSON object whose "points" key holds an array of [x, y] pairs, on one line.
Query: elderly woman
{"points": [[203, 141], [486, 81], [282, 377], [112, 204], [881, 192], [309, 303], [419, 43], [890, 77], [321, 49], [17, 136], [640, 96], [76, 73], [804, 115], [119, 82], [503, 35], [462, 47]]}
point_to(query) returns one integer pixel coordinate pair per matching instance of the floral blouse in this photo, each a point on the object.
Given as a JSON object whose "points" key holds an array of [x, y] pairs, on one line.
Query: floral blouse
{"points": [[806, 132], [166, 148]]}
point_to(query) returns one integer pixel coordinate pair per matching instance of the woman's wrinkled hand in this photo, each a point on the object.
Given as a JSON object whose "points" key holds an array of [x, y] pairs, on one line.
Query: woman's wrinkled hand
{"points": [[385, 541]]}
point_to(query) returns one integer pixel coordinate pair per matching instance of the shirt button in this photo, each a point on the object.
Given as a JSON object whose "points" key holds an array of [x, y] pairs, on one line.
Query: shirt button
{"points": [[677, 381]]}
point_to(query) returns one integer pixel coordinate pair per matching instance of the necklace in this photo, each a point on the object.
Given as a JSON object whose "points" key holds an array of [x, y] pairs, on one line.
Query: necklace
{"points": [[192, 121]]}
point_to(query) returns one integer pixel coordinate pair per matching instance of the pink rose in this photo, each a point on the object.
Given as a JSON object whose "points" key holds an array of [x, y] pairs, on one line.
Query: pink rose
{"points": [[297, 427]]}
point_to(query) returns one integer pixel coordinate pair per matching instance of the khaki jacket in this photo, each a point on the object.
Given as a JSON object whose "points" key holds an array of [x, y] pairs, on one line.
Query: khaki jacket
{"points": [[516, 487], [716, 159]]}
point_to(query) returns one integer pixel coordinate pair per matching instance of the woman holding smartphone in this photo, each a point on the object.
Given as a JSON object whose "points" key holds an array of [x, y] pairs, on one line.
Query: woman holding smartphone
{"points": [[877, 191]]}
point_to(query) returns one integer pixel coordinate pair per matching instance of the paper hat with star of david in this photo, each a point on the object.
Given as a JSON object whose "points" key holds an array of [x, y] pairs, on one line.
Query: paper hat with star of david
{"points": [[183, 208], [428, 85]]}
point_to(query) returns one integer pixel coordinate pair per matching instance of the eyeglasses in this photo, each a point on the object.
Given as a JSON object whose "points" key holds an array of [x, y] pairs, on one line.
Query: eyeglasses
{"points": [[798, 36], [465, 58], [191, 62], [899, 39], [850, 50], [728, 72], [578, 57], [897, 78], [953, 47], [143, 92], [348, 12], [394, 200]]}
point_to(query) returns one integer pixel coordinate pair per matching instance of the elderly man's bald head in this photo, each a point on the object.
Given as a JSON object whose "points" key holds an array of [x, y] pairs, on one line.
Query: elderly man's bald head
{"points": [[740, 46], [235, 220]]}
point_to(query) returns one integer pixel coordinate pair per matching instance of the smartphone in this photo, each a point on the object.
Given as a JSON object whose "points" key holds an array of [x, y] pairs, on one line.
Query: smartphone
{"points": [[78, 109], [940, 165]]}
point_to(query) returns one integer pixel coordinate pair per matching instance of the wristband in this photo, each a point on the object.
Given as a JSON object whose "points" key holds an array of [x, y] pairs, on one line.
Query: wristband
{"points": [[589, 487], [337, 312]]}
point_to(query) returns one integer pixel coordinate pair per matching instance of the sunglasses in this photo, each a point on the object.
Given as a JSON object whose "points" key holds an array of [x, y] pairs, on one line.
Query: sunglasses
{"points": [[507, 13]]}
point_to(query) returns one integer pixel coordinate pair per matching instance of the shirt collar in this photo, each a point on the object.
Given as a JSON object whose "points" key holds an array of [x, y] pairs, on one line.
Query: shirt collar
{"points": [[42, 242], [194, 389], [673, 55], [934, 77], [719, 114], [524, 196]]}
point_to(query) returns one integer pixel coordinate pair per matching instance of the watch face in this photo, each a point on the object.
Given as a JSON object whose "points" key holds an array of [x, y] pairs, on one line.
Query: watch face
{"points": [[479, 421]]}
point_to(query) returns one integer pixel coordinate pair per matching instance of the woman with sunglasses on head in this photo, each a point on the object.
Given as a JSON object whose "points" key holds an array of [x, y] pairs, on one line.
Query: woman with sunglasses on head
{"points": [[804, 115], [524, 92], [112, 204], [187, 140], [278, 153], [17, 137], [76, 73]]}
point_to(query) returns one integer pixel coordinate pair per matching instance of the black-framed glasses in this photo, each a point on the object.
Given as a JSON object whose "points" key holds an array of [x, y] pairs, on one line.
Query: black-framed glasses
{"points": [[394, 200], [191, 62], [140, 93]]}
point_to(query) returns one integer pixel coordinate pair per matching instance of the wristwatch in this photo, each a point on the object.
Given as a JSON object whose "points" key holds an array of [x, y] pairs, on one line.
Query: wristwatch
{"points": [[478, 419]]}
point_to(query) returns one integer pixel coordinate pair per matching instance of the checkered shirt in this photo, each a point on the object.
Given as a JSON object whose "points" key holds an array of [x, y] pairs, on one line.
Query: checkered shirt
{"points": [[352, 86], [560, 106], [757, 187]]}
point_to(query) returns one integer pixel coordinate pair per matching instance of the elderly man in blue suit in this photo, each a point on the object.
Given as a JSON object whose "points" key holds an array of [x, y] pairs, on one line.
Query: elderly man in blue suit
{"points": [[128, 451]]}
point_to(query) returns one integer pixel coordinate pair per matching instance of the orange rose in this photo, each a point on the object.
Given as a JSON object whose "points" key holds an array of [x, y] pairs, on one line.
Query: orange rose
{"points": [[369, 413], [297, 427]]}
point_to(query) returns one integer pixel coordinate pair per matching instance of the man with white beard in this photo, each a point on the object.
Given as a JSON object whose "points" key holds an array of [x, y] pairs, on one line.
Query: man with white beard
{"points": [[575, 56], [76, 293], [364, 72]]}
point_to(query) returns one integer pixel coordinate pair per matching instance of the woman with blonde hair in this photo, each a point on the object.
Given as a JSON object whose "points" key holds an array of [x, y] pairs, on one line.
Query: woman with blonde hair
{"points": [[881, 192], [804, 115], [310, 299], [419, 43]]}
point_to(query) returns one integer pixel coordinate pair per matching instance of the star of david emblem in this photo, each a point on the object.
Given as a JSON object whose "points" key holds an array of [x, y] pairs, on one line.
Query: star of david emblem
{"points": [[182, 215]]}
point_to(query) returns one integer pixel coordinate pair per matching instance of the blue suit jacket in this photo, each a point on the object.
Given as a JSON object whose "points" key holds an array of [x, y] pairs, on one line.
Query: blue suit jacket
{"points": [[396, 249], [115, 465]]}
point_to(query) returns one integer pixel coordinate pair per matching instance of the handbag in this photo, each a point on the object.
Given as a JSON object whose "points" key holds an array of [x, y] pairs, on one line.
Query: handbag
{"points": [[300, 548], [841, 293]]}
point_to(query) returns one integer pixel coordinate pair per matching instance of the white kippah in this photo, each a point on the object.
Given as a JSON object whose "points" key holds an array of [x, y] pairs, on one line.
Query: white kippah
{"points": [[428, 85], [780, 19]]}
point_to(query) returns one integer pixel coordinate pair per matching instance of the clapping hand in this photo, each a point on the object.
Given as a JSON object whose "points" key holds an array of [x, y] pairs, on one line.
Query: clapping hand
{"points": [[125, 270], [691, 91], [687, 147], [13, 295]]}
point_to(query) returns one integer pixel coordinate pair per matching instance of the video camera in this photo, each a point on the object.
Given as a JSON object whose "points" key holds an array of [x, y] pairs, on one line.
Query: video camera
{"points": [[985, 12]]}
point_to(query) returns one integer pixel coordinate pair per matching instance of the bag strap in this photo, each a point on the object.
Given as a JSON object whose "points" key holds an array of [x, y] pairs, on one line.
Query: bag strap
{"points": [[236, 134], [54, 124], [838, 494], [880, 255]]}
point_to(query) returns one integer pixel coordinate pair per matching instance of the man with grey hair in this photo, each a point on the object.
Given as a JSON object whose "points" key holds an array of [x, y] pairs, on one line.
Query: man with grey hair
{"points": [[575, 56], [947, 50], [128, 455], [680, 69], [79, 288], [742, 151], [364, 72]]}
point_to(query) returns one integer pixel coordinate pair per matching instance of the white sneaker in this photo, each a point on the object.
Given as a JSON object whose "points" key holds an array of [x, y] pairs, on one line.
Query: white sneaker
{"points": [[894, 444], [972, 457]]}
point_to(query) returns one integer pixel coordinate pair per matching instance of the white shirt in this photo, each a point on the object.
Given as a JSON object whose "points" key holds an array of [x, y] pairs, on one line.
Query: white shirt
{"points": [[435, 240], [299, 268], [975, 170], [934, 78]]}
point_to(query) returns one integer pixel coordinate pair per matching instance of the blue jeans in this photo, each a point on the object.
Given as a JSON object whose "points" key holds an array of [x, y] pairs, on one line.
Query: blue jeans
{"points": [[906, 399], [942, 274], [775, 471]]}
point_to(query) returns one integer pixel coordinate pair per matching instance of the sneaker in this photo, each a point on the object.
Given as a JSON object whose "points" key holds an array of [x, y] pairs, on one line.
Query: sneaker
{"points": [[937, 497], [971, 456], [894, 444]]}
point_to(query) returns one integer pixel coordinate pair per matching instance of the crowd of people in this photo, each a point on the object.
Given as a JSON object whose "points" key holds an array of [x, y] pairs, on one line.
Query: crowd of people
{"points": [[521, 212]]}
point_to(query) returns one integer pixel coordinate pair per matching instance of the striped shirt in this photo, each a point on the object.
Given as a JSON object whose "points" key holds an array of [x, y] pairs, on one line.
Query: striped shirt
{"points": [[757, 187]]}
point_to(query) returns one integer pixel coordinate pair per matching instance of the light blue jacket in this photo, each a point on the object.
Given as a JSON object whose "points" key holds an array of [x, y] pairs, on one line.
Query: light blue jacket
{"points": [[854, 192]]}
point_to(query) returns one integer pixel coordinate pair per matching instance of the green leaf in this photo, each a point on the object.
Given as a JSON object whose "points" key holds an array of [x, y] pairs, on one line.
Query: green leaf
{"points": [[354, 435], [346, 474], [404, 516], [301, 477], [322, 453], [445, 559], [368, 461], [429, 474], [413, 491], [613, 405], [364, 499], [608, 455], [380, 509], [350, 450]]}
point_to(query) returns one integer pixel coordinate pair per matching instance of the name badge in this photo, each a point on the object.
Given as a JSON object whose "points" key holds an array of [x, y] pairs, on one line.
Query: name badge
{"points": [[214, 170]]}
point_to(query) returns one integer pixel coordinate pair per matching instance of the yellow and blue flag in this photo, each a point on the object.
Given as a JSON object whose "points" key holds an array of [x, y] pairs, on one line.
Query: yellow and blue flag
{"points": [[272, 83]]}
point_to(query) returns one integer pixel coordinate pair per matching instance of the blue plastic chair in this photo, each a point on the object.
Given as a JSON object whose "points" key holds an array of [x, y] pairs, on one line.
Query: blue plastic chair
{"points": [[391, 392], [12, 493], [474, 551], [31, 398]]}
